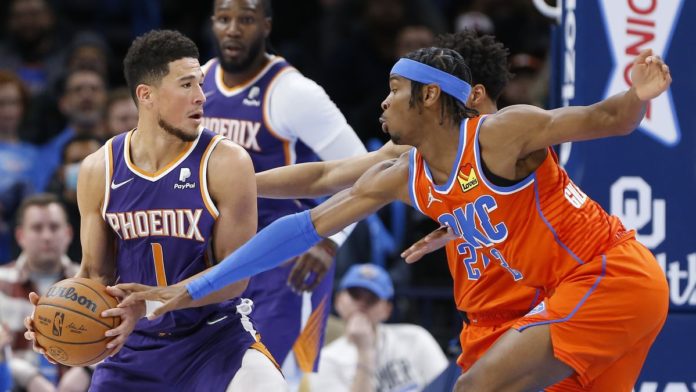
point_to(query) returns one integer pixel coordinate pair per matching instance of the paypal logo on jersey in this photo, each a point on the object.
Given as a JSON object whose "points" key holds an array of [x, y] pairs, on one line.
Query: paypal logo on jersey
{"points": [[252, 97], [465, 222], [184, 174], [633, 26]]}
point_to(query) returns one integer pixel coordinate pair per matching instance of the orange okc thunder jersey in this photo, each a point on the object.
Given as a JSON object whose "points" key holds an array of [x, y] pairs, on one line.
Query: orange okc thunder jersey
{"points": [[533, 233]]}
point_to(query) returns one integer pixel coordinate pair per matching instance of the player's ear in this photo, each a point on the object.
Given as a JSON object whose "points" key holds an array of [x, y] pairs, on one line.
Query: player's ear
{"points": [[268, 26], [478, 93], [431, 93], [144, 94]]}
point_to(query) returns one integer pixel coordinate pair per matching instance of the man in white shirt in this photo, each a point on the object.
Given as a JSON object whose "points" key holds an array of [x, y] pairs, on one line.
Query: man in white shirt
{"points": [[371, 355]]}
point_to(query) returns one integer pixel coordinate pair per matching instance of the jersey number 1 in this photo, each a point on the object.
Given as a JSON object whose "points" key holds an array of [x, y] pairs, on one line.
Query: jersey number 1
{"points": [[158, 259]]}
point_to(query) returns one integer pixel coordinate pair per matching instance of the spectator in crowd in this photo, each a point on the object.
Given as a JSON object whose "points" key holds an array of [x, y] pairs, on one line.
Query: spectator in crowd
{"points": [[88, 50], [527, 86], [64, 182], [82, 102], [121, 113], [413, 37], [372, 355], [366, 49], [43, 234], [18, 160], [33, 47]]}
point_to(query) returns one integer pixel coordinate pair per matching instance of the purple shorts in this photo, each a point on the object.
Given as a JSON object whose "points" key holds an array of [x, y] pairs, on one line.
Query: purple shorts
{"points": [[204, 358]]}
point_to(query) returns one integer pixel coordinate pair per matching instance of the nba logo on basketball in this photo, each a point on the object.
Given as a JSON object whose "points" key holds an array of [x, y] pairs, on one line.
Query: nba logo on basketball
{"points": [[467, 178], [58, 323]]}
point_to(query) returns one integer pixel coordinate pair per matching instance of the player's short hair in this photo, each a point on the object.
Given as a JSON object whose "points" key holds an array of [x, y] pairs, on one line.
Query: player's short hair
{"points": [[486, 58], [449, 61], [39, 200], [148, 57]]}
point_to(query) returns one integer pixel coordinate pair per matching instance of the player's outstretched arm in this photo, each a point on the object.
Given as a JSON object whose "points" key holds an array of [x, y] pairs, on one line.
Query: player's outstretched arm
{"points": [[289, 236], [316, 179], [527, 129]]}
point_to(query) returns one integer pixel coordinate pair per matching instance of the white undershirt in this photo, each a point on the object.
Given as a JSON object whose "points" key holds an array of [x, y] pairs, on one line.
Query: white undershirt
{"points": [[300, 109]]}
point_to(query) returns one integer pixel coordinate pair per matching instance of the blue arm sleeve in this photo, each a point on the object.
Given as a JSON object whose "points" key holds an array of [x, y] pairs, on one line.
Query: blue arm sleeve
{"points": [[283, 239]]}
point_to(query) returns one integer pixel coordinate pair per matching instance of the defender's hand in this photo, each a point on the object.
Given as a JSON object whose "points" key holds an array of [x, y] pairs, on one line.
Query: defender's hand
{"points": [[311, 267], [650, 75], [430, 243], [29, 334], [129, 317], [174, 297]]}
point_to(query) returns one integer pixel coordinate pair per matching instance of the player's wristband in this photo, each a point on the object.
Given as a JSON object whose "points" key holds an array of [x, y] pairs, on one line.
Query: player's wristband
{"points": [[283, 239]]}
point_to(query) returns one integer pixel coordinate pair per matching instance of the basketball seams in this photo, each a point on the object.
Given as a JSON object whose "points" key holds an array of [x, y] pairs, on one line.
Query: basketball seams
{"points": [[95, 291], [90, 361], [78, 312], [97, 358], [108, 305], [65, 342]]}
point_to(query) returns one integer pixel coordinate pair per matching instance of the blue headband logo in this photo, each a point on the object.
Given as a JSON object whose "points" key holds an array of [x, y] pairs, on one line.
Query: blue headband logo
{"points": [[426, 74]]}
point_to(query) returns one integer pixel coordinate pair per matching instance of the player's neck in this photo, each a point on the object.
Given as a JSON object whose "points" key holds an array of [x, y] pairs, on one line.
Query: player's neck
{"points": [[152, 148], [439, 150], [232, 79]]}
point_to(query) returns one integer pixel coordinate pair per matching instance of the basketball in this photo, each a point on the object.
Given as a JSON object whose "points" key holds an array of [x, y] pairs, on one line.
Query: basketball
{"points": [[68, 322]]}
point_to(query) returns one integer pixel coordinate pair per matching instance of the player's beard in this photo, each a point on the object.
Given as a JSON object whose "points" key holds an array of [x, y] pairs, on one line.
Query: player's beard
{"points": [[177, 132], [244, 63]]}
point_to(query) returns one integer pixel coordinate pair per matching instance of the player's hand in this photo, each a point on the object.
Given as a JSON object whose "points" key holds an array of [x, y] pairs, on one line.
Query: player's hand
{"points": [[173, 297], [650, 75], [311, 267], [29, 334], [360, 332], [129, 317], [430, 243]]}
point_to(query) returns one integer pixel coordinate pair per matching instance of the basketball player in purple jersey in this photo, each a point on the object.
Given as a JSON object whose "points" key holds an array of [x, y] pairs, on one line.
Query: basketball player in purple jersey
{"points": [[156, 208], [280, 117]]}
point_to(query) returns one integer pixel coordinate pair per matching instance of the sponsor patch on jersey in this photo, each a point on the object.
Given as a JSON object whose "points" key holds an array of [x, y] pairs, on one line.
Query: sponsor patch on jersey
{"points": [[467, 178]]}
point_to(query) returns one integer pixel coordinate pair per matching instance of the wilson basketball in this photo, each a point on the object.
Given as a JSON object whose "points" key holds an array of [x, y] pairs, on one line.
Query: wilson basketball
{"points": [[68, 322]]}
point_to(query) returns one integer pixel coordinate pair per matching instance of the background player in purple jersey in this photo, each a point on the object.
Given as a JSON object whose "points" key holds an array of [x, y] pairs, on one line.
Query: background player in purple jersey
{"points": [[262, 103], [153, 201]]}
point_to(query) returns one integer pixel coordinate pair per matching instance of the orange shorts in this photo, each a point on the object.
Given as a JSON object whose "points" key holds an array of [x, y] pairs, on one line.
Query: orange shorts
{"points": [[605, 316], [477, 338]]}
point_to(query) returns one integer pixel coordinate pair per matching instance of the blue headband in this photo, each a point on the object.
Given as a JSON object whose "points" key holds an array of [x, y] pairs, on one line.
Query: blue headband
{"points": [[426, 74]]}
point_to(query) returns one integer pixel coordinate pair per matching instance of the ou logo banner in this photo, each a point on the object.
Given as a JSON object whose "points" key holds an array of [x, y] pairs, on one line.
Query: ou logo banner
{"points": [[632, 202], [632, 26]]}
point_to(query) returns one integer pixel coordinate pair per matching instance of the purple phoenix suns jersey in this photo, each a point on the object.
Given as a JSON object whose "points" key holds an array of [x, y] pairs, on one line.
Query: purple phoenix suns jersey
{"points": [[241, 114], [163, 222]]}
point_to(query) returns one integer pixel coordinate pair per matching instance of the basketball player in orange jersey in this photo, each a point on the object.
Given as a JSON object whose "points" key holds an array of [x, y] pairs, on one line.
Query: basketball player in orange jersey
{"points": [[154, 206], [534, 224]]}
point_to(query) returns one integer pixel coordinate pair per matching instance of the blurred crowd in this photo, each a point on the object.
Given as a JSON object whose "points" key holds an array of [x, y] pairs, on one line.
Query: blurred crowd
{"points": [[62, 95]]}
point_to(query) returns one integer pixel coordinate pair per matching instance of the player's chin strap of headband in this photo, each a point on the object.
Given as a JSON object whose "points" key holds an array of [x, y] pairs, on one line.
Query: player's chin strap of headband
{"points": [[426, 74]]}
